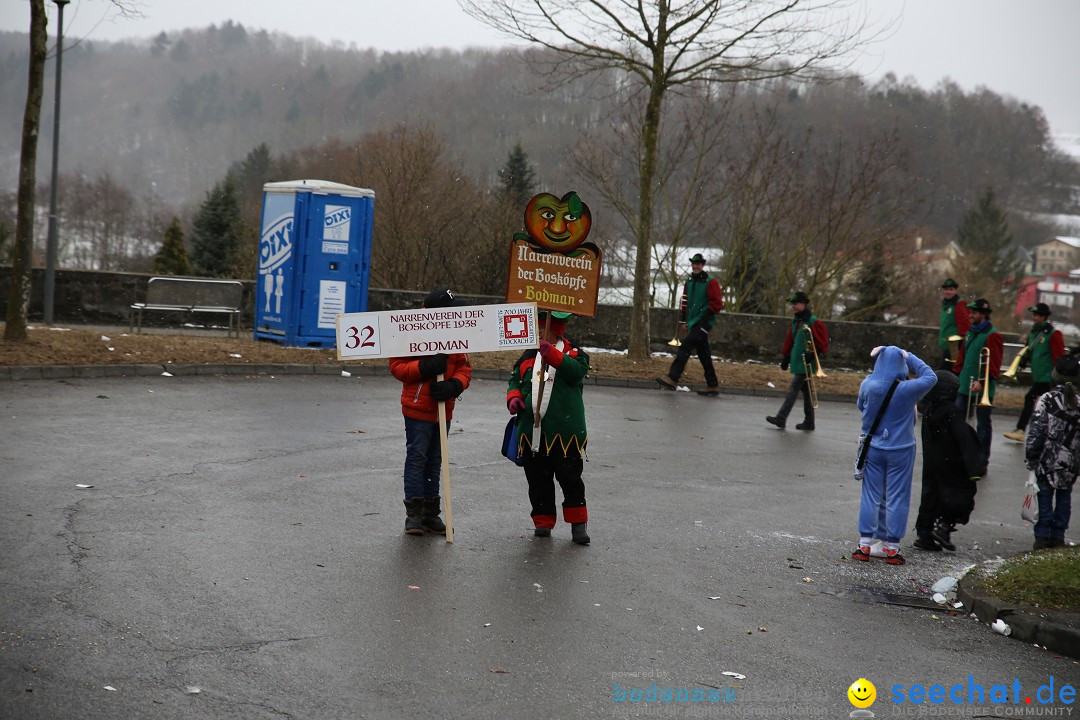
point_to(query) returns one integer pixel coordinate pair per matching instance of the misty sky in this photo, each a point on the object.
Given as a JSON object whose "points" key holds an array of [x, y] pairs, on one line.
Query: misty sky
{"points": [[1029, 50]]}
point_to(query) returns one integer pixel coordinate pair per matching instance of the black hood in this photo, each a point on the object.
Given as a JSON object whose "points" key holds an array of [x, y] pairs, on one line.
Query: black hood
{"points": [[948, 385]]}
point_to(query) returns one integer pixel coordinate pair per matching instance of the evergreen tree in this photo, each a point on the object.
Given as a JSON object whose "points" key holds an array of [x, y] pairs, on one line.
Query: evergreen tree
{"points": [[990, 265], [216, 231], [984, 231], [172, 258], [518, 178], [250, 174], [872, 289]]}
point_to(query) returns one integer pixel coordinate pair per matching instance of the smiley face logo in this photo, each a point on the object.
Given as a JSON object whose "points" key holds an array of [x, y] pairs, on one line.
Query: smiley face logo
{"points": [[558, 224], [862, 693]]}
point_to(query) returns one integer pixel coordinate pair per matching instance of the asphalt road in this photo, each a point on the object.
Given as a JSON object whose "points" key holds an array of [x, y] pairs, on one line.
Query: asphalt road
{"points": [[243, 536]]}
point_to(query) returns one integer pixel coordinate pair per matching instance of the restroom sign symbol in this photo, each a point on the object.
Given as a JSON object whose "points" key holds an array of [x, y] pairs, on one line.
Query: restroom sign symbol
{"points": [[515, 327]]}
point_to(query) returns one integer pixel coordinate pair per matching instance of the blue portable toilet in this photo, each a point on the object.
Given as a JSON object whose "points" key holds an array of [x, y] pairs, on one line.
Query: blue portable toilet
{"points": [[314, 260]]}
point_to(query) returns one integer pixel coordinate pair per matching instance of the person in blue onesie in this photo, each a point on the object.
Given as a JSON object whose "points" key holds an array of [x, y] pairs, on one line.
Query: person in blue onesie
{"points": [[890, 460]]}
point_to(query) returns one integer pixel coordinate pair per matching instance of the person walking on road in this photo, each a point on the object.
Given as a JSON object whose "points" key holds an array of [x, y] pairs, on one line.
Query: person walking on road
{"points": [[972, 370], [1053, 452], [701, 301], [1045, 345], [954, 322], [797, 356], [887, 400], [547, 384], [421, 393]]}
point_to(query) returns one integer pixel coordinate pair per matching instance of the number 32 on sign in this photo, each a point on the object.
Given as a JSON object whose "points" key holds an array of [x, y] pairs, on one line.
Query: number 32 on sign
{"points": [[475, 328]]}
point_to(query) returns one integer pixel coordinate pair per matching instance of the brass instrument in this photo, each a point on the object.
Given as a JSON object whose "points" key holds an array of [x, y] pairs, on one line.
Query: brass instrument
{"points": [[810, 351], [984, 358], [983, 374], [675, 341], [1014, 367], [954, 347]]}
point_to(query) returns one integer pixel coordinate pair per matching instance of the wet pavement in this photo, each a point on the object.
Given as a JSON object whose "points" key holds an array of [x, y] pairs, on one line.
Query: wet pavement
{"points": [[243, 537]]}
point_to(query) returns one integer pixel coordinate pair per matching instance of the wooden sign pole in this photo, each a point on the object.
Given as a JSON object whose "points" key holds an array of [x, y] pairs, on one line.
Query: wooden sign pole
{"points": [[448, 504]]}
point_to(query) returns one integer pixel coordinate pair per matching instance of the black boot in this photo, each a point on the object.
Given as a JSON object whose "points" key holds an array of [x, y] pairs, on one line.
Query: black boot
{"points": [[942, 532], [579, 533], [927, 542], [413, 522], [430, 516]]}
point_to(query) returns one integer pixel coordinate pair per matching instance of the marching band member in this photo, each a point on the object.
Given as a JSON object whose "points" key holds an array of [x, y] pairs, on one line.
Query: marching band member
{"points": [[793, 352]]}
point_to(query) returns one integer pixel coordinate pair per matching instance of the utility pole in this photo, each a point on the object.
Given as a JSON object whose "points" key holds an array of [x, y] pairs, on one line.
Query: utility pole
{"points": [[51, 242]]}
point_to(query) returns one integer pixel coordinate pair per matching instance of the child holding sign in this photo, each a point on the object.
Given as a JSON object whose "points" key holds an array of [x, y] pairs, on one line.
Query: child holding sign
{"points": [[421, 392], [547, 384]]}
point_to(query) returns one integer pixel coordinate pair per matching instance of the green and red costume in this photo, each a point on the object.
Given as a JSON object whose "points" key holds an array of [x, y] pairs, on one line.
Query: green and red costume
{"points": [[555, 450], [1045, 345]]}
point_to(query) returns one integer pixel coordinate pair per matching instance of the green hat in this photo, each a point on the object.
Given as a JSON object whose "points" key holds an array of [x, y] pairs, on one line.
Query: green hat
{"points": [[1040, 309], [799, 297], [949, 283], [557, 314], [698, 258]]}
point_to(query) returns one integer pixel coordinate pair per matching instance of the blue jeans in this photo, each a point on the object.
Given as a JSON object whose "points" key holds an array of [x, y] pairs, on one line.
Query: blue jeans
{"points": [[984, 429], [423, 458], [1055, 507]]}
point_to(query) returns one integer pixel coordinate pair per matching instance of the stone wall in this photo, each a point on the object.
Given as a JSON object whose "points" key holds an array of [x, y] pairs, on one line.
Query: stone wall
{"points": [[103, 298]]}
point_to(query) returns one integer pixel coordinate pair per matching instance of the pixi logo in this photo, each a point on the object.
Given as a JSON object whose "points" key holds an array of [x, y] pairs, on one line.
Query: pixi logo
{"points": [[275, 245]]}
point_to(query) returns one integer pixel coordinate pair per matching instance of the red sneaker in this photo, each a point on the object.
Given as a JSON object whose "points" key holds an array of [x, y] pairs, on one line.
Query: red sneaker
{"points": [[862, 553], [893, 557]]}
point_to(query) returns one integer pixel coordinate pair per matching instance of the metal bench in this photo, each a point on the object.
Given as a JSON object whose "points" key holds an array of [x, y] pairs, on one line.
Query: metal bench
{"points": [[191, 295]]}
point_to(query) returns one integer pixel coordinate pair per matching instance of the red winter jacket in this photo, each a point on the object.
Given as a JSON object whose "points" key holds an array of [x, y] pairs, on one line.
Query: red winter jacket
{"points": [[416, 400]]}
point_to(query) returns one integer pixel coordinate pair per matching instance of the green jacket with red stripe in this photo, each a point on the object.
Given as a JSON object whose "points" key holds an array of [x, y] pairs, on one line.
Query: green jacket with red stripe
{"points": [[562, 429]]}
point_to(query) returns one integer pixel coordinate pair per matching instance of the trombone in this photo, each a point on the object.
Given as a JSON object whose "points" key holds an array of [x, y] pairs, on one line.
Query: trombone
{"points": [[983, 374], [675, 341], [810, 351]]}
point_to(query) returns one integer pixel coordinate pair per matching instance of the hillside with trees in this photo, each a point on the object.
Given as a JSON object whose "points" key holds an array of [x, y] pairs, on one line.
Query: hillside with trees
{"points": [[820, 185]]}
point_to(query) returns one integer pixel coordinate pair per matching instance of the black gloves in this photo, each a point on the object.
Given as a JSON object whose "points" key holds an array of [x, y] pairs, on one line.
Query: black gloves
{"points": [[432, 365], [446, 389], [784, 362]]}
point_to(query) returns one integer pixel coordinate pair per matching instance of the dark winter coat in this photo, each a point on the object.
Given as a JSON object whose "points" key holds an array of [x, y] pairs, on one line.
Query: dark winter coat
{"points": [[1053, 442], [952, 455]]}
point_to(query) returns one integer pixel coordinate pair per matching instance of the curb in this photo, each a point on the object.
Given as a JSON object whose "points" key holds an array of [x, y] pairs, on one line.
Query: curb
{"points": [[54, 372], [1026, 623]]}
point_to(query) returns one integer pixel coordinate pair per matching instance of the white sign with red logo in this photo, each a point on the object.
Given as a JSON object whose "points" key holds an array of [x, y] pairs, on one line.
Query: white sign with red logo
{"points": [[470, 329]]}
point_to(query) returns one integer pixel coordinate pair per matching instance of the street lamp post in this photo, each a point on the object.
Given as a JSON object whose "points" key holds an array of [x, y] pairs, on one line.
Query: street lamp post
{"points": [[51, 243]]}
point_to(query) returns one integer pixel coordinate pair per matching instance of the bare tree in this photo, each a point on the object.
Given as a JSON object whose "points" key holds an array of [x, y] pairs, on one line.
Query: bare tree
{"points": [[664, 45], [19, 299], [688, 183]]}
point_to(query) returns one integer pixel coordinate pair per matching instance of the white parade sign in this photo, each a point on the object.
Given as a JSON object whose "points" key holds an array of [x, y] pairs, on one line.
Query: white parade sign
{"points": [[469, 329]]}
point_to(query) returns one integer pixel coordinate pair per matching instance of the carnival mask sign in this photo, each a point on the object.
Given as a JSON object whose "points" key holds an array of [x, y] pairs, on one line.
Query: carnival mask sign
{"points": [[551, 264]]}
